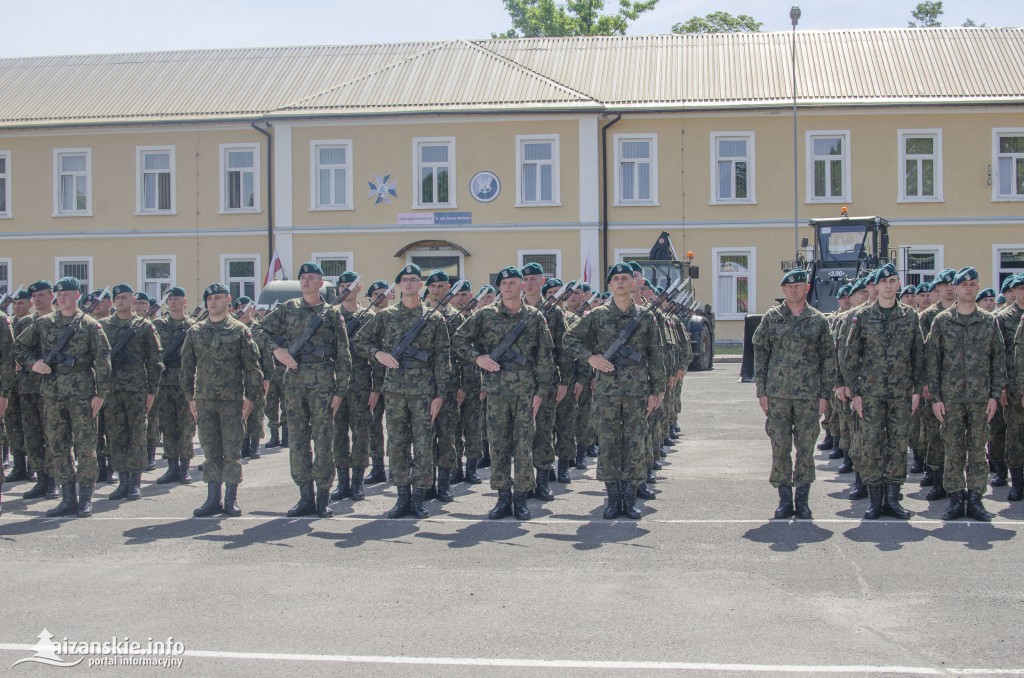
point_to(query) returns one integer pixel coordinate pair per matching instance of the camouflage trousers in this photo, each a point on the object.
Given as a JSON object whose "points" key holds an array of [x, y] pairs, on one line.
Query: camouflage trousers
{"points": [[621, 427], [510, 430], [32, 424], [445, 429], [353, 415], [254, 424], [277, 407], [826, 421], [652, 440], [997, 436], [885, 431], [410, 440], [125, 415], [544, 433], [102, 449], [834, 416], [964, 434], [1013, 415], [15, 432], [565, 428], [220, 433], [71, 440], [471, 421], [915, 427], [310, 436], [792, 424], [931, 439], [176, 422], [153, 427], [586, 434], [376, 435]]}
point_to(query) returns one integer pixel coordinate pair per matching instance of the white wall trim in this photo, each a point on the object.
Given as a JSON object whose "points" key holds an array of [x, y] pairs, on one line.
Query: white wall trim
{"points": [[57, 153], [589, 166], [996, 132], [617, 140], [140, 270], [901, 152], [57, 261], [751, 198], [453, 183], [556, 252], [257, 149], [556, 170], [283, 197], [996, 249], [847, 195], [314, 175], [260, 273], [751, 252], [139, 169]]}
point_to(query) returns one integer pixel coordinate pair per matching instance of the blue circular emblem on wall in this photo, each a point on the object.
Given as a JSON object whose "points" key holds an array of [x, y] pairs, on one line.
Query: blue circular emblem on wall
{"points": [[485, 186]]}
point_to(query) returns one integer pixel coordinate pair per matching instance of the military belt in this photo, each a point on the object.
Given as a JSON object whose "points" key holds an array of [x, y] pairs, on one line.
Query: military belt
{"points": [[513, 366], [71, 369], [412, 363], [310, 358], [625, 362]]}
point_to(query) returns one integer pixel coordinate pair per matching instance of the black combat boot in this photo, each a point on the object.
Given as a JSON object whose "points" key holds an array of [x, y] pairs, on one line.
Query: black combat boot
{"points": [[323, 502], [504, 506], [657, 466], [306, 506], [418, 510], [212, 505], [891, 505], [444, 486], [1017, 481], [837, 448], [800, 508], [614, 508], [918, 464], [628, 494], [859, 490], [376, 474], [485, 460], [284, 435], [938, 491], [785, 509], [581, 458], [999, 479], [344, 489], [173, 473], [246, 450], [274, 441], [184, 476], [231, 500], [667, 442], [543, 490], [592, 450], [84, 508], [519, 508], [828, 442], [431, 492], [471, 475], [876, 494], [358, 491], [403, 506], [457, 474], [134, 486], [928, 479], [39, 489], [121, 491], [101, 469], [846, 466], [563, 471], [68, 503], [254, 448], [652, 478], [151, 459], [975, 509], [957, 506], [644, 492], [19, 471]]}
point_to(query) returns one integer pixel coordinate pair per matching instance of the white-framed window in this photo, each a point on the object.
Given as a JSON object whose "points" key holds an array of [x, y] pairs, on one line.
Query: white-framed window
{"points": [[79, 267], [1007, 260], [921, 263], [732, 168], [434, 163], [627, 254], [828, 166], [537, 171], [550, 261], [72, 182], [155, 180], [433, 257], [920, 172], [241, 274], [1008, 164], [334, 264], [239, 178], [5, 184], [5, 276], [735, 282], [156, 274], [331, 174], [636, 169]]}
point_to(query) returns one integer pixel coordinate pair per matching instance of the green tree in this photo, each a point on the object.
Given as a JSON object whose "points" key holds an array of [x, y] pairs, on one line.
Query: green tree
{"points": [[719, 22], [546, 18], [970, 23], [926, 15]]}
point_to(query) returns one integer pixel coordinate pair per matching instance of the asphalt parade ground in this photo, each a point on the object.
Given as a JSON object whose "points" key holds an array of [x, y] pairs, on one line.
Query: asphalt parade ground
{"points": [[704, 584]]}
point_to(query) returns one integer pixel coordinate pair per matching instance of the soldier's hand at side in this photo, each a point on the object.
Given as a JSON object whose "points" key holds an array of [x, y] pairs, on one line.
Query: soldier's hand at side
{"points": [[485, 362], [150, 399], [763, 402], [40, 367], [652, 404], [841, 393], [822, 406], [193, 410], [97, 403], [373, 400], [247, 406], [680, 375], [993, 406], [3, 406], [939, 410], [915, 402], [386, 359], [577, 390], [599, 363], [857, 404], [560, 393], [435, 408], [1003, 398], [483, 396], [536, 406], [460, 397], [927, 393], [285, 358], [335, 405], [266, 387]]}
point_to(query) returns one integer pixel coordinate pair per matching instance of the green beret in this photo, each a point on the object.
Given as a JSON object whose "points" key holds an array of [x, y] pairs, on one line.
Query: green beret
{"points": [[797, 275], [347, 277], [176, 292], [508, 273], [964, 274], [122, 288], [987, 293], [241, 301], [437, 276], [410, 269], [311, 267], [844, 291], [887, 271], [944, 277], [924, 288], [658, 289], [1015, 281], [1000, 299], [647, 284], [532, 268], [67, 284], [22, 296], [550, 284], [376, 285], [858, 285], [616, 270], [909, 289], [635, 267], [606, 295], [488, 289], [39, 286], [585, 287], [142, 296], [215, 288]]}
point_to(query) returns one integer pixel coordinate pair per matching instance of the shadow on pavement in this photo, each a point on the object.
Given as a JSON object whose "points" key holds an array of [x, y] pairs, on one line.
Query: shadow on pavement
{"points": [[784, 535], [271, 533], [887, 535], [9, 529], [374, 530], [496, 531], [594, 535], [189, 527], [974, 535]]}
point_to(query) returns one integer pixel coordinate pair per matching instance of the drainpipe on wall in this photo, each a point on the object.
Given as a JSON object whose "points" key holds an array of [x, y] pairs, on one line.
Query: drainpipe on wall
{"points": [[270, 189], [604, 196]]}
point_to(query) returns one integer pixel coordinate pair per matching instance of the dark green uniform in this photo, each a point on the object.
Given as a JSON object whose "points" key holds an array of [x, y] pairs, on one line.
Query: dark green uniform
{"points": [[177, 425], [7, 376], [30, 392]]}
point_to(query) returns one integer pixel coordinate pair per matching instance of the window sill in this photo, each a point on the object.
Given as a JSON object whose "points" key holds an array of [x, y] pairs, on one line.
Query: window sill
{"points": [[72, 214], [826, 201], [6, 215], [331, 208], [732, 202], [438, 206], [633, 203], [938, 199], [1008, 198], [538, 204], [162, 213], [241, 211]]}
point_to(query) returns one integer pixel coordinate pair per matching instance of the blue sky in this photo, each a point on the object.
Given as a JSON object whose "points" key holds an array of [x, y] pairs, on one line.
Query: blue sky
{"points": [[49, 27]]}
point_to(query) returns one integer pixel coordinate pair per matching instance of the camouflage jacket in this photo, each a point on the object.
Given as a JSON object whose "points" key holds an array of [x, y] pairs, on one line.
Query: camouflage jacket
{"points": [[565, 369], [1018, 357], [684, 350], [267, 361], [927, 317], [362, 372], [470, 380], [88, 349], [596, 332], [428, 378], [668, 340], [28, 381], [287, 323], [794, 356], [1009, 320], [7, 378], [840, 331], [138, 368], [884, 353], [167, 329], [484, 331], [220, 361], [966, 357]]}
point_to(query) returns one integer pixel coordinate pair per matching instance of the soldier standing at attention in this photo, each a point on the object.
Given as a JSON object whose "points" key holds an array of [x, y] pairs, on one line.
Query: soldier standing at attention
{"points": [[376, 435], [627, 391], [177, 424], [794, 366], [515, 383], [244, 311], [106, 470], [942, 289], [22, 306], [140, 307], [73, 395], [1009, 320], [135, 359], [221, 378], [308, 337], [447, 424], [6, 377], [884, 370], [966, 376], [565, 408], [413, 388], [33, 416]]}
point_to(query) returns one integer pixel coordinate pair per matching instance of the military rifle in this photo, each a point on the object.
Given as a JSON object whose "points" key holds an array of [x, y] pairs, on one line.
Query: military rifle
{"points": [[588, 302], [241, 311], [404, 350], [356, 321], [171, 355], [620, 348], [6, 300], [344, 294], [118, 352], [466, 307], [503, 352], [56, 356]]}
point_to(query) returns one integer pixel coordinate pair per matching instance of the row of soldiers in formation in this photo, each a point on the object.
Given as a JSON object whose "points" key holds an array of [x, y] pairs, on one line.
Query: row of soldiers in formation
{"points": [[936, 370], [537, 375]]}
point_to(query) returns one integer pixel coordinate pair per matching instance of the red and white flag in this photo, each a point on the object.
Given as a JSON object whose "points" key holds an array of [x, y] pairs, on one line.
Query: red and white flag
{"points": [[586, 270], [275, 267]]}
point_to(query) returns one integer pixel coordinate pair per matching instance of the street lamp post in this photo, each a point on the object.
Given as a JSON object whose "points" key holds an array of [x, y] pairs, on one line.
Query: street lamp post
{"points": [[794, 17]]}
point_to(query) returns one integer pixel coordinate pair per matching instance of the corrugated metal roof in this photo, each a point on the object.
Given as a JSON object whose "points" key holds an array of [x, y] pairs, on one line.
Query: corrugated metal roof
{"points": [[617, 73]]}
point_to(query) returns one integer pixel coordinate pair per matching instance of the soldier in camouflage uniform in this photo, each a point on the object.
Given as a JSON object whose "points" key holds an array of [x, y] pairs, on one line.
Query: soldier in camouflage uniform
{"points": [[245, 313], [22, 306], [136, 379], [942, 287], [469, 438], [1009, 320], [221, 379], [277, 408], [314, 386], [884, 369], [794, 367], [447, 423], [30, 386], [489, 295], [565, 408], [848, 426], [514, 391], [376, 433], [628, 389], [177, 424], [1015, 454], [141, 307], [413, 389], [101, 310], [73, 395], [997, 441], [7, 381], [966, 376]]}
